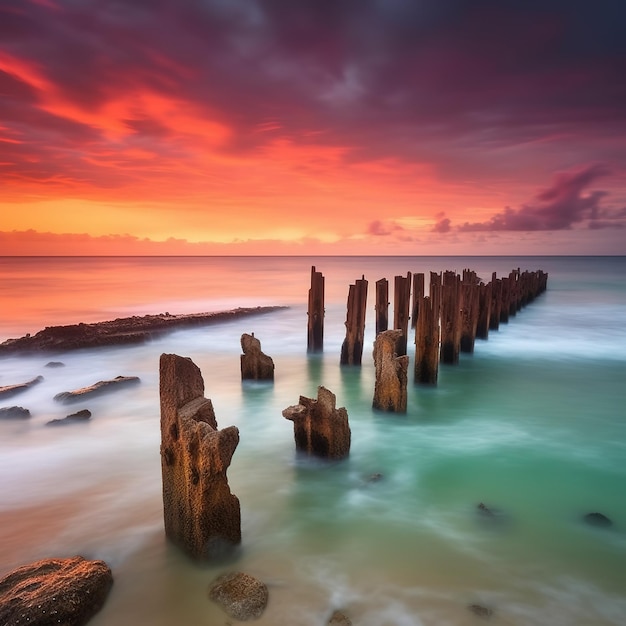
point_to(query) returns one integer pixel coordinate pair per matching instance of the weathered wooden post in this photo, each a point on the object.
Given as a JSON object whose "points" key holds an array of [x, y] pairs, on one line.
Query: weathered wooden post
{"points": [[418, 294], [201, 515], [391, 373], [484, 310], [426, 366], [505, 299], [469, 310], [450, 318], [515, 292], [352, 347], [315, 341], [496, 302], [402, 301], [382, 305]]}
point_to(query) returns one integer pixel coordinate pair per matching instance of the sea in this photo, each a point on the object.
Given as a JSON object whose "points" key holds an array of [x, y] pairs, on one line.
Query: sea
{"points": [[532, 424]]}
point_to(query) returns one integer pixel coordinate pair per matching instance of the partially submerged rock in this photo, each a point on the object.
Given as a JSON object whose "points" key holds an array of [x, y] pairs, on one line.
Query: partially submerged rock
{"points": [[320, 429], [201, 515], [242, 596], [55, 364], [11, 390], [480, 610], [255, 364], [598, 519], [391, 373], [14, 412], [338, 618], [97, 388], [73, 418], [54, 591]]}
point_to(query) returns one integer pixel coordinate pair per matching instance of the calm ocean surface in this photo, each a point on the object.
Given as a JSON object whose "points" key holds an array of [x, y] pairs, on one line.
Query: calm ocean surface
{"points": [[533, 424]]}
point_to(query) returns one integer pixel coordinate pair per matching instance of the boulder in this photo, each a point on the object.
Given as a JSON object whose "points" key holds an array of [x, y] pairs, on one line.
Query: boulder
{"points": [[320, 429], [11, 390], [391, 373], [201, 515], [96, 389], [54, 591], [73, 418], [14, 412], [255, 365], [242, 596]]}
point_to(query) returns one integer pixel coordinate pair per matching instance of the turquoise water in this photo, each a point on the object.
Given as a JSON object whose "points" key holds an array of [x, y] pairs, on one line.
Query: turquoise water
{"points": [[532, 424]]}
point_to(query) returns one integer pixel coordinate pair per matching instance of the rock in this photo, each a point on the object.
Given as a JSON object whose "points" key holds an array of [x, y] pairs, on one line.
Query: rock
{"points": [[480, 611], [320, 429], [598, 519], [255, 365], [374, 478], [14, 412], [339, 619], [54, 591], [97, 388], [79, 416], [391, 373], [11, 390], [242, 596], [201, 515], [55, 364]]}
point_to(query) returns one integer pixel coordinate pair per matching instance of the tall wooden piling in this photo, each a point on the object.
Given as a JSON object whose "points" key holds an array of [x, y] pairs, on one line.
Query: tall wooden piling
{"points": [[484, 310], [401, 303], [315, 339], [418, 294], [469, 310], [382, 305], [390, 393], [505, 299], [496, 302], [426, 366], [450, 318], [352, 347]]}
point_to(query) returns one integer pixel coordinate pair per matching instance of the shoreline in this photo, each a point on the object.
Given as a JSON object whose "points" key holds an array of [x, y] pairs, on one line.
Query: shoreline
{"points": [[123, 330]]}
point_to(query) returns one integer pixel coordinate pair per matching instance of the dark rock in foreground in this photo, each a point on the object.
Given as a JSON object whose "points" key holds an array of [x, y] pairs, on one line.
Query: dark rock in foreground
{"points": [[124, 330], [480, 611], [73, 418], [54, 591], [14, 412], [339, 619], [201, 515], [11, 390], [242, 596], [255, 364], [96, 388], [598, 519]]}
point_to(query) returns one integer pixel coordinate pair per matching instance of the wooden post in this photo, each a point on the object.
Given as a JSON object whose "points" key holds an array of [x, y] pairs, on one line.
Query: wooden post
{"points": [[401, 302], [505, 299], [450, 318], [469, 310], [426, 366], [496, 302], [352, 347], [315, 341], [382, 305], [484, 310], [391, 373], [418, 294]]}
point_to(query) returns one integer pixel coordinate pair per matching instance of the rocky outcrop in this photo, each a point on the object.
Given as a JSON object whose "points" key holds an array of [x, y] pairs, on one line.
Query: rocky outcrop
{"points": [[54, 591], [11, 390], [14, 412], [73, 418], [124, 330], [242, 596], [391, 373], [96, 389], [201, 515], [320, 429], [255, 365]]}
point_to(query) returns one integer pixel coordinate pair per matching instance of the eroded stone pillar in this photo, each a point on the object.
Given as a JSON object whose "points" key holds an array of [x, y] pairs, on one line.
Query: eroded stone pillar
{"points": [[255, 364], [201, 515]]}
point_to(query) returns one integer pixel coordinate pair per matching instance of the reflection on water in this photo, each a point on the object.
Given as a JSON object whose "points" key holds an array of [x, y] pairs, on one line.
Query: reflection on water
{"points": [[531, 424]]}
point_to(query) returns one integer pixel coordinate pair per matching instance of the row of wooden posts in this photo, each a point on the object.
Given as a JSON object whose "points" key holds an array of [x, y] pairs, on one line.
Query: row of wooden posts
{"points": [[458, 309]]}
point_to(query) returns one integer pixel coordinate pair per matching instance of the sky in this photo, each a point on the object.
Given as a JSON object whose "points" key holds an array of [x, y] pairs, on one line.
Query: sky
{"points": [[311, 127]]}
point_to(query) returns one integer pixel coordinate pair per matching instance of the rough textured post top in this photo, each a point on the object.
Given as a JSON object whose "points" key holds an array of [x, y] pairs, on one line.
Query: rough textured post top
{"points": [[181, 380]]}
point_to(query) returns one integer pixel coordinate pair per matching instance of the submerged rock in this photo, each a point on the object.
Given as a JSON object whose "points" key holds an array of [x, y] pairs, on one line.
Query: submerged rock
{"points": [[480, 610], [338, 618], [14, 412], [97, 388], [55, 364], [11, 390], [54, 591], [79, 416], [242, 596], [598, 519], [255, 364], [320, 429], [201, 515]]}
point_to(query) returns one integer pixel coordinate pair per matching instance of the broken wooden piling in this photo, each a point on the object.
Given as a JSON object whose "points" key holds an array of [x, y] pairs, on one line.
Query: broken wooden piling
{"points": [[382, 305], [450, 318], [427, 334], [418, 294], [402, 300], [469, 310], [352, 347], [315, 339], [391, 373]]}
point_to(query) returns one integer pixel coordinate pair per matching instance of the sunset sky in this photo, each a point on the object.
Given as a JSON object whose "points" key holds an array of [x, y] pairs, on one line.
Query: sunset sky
{"points": [[312, 127]]}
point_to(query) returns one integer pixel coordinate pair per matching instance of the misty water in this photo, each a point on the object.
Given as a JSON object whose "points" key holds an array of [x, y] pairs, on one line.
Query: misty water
{"points": [[533, 424]]}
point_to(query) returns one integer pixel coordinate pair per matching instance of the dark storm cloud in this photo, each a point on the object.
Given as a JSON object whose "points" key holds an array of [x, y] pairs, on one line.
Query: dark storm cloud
{"points": [[561, 206]]}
